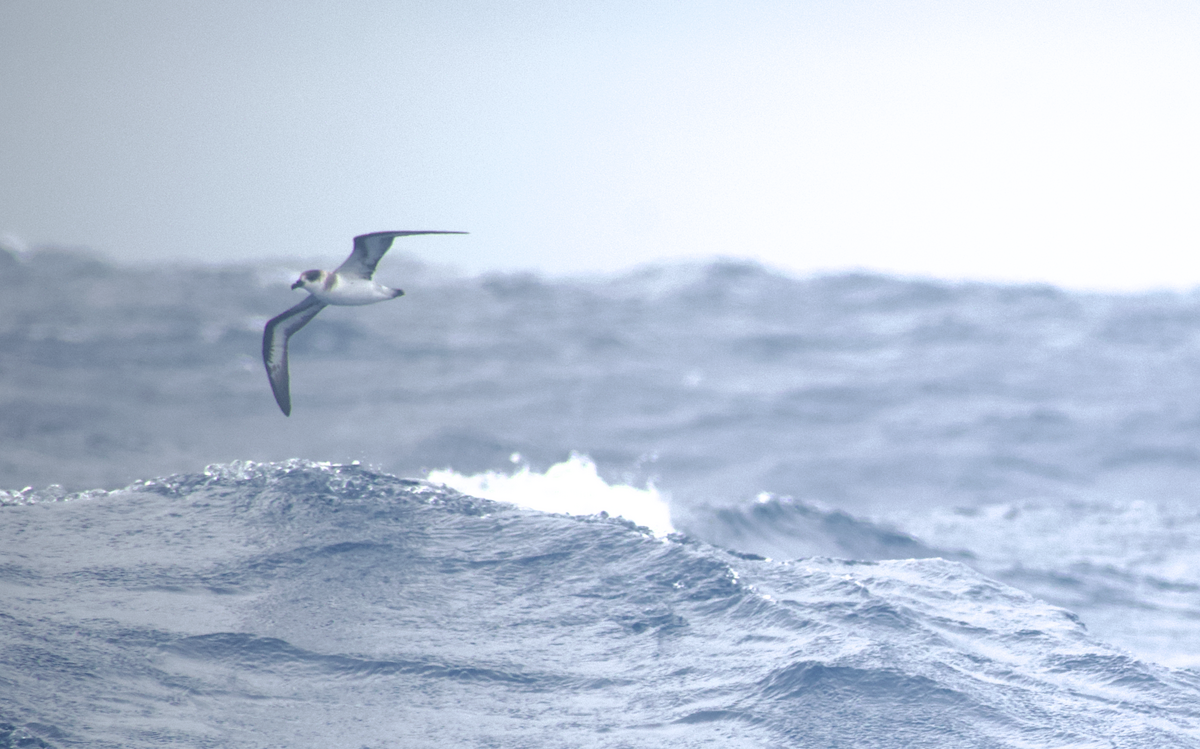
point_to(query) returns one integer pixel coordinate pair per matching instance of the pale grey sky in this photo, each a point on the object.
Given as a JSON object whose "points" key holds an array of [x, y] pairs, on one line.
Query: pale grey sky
{"points": [[1006, 140]]}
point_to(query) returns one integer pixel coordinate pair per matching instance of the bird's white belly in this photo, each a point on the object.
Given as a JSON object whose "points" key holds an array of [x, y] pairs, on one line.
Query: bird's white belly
{"points": [[353, 292]]}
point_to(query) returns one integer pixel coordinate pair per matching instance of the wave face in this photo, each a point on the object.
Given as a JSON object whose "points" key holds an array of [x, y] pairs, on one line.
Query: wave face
{"points": [[314, 605]]}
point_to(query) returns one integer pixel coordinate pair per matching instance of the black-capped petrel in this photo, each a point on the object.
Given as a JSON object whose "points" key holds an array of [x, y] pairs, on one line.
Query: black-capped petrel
{"points": [[349, 285]]}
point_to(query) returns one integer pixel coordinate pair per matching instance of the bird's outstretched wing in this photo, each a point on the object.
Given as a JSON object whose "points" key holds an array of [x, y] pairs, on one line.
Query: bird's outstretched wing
{"points": [[275, 342], [368, 248]]}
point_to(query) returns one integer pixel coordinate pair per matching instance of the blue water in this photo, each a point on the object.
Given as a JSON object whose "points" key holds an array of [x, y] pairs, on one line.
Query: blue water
{"points": [[298, 604], [906, 513]]}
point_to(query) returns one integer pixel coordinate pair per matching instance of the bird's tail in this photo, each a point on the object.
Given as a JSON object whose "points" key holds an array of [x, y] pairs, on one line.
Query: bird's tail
{"points": [[397, 292]]}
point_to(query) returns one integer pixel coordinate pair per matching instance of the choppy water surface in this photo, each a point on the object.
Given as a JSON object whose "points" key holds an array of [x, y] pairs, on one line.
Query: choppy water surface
{"points": [[306, 605], [975, 506]]}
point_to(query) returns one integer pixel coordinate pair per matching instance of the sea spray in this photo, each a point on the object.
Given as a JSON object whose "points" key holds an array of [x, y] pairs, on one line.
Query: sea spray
{"points": [[572, 487]]}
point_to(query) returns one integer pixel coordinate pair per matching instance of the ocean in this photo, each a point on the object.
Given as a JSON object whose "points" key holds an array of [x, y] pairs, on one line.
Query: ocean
{"points": [[702, 504]]}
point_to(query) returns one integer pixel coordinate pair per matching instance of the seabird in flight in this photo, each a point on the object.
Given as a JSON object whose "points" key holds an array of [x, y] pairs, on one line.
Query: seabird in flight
{"points": [[349, 285]]}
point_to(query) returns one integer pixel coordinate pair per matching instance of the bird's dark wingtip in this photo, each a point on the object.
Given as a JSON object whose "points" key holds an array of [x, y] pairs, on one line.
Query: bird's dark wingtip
{"points": [[284, 400], [407, 233]]}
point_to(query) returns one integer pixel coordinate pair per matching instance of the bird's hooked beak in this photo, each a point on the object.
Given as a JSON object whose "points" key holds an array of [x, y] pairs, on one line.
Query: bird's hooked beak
{"points": [[298, 284]]}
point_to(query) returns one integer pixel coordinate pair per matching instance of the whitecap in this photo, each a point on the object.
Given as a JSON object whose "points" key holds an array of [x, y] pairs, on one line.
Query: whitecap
{"points": [[572, 487]]}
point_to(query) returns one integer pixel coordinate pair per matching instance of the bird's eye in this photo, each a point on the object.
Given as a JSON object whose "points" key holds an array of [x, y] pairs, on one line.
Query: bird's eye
{"points": [[312, 275]]}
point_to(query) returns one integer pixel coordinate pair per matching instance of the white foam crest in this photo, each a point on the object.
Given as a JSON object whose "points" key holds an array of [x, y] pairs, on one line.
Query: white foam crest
{"points": [[572, 487]]}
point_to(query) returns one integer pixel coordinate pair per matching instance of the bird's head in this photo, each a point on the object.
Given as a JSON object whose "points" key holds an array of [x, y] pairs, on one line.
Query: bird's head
{"points": [[310, 278]]}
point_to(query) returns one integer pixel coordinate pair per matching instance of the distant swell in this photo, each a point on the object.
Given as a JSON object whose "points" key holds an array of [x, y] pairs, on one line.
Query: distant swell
{"points": [[783, 528]]}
